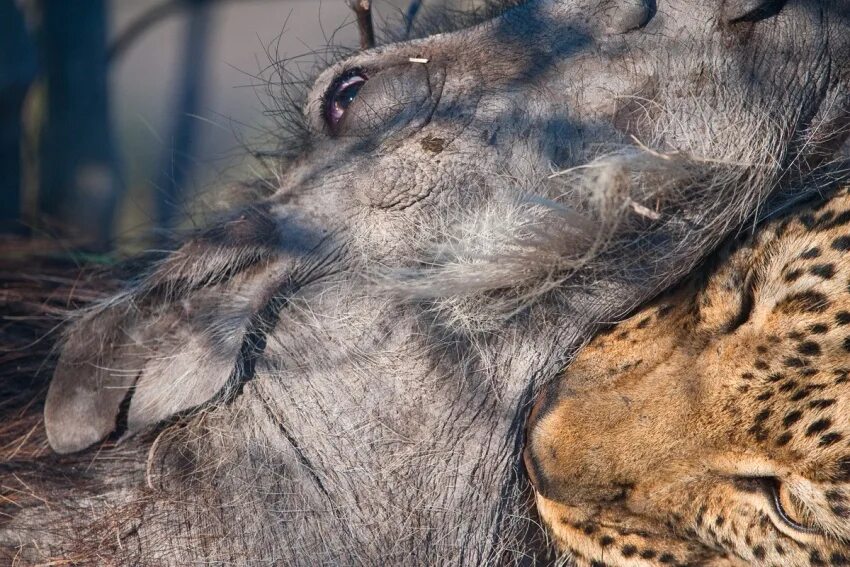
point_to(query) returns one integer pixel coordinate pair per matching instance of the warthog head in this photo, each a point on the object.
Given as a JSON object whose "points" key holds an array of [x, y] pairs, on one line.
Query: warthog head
{"points": [[338, 372]]}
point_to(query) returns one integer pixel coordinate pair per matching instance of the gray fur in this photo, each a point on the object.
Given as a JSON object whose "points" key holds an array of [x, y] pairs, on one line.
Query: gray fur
{"points": [[359, 347]]}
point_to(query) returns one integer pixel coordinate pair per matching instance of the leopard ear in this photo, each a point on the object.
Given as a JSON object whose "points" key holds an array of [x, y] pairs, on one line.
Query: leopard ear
{"points": [[167, 346]]}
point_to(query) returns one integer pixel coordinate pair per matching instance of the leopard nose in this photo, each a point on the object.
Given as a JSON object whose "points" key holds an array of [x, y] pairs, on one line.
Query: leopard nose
{"points": [[531, 467], [542, 405], [539, 405]]}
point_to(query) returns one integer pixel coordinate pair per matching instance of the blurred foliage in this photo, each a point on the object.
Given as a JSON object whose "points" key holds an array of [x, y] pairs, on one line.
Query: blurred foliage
{"points": [[79, 162], [61, 146]]}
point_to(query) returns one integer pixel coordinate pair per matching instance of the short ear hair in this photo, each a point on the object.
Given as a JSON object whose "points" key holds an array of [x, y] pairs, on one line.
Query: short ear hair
{"points": [[169, 344]]}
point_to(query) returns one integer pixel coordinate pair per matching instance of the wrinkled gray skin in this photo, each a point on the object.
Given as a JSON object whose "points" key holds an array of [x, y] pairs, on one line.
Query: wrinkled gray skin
{"points": [[324, 417]]}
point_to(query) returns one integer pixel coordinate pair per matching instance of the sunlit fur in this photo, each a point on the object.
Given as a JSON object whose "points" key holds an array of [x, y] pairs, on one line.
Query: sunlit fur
{"points": [[663, 442]]}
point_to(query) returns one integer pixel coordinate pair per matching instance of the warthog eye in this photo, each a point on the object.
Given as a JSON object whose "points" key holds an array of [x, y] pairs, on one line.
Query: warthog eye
{"points": [[340, 95]]}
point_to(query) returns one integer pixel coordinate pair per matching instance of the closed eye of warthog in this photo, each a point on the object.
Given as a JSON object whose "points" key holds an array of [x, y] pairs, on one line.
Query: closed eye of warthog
{"points": [[338, 371]]}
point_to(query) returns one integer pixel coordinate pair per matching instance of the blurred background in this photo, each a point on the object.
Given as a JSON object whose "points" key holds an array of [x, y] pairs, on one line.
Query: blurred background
{"points": [[119, 118]]}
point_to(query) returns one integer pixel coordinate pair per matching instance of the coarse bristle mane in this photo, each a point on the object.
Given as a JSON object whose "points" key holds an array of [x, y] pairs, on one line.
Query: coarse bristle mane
{"points": [[41, 284], [485, 265]]}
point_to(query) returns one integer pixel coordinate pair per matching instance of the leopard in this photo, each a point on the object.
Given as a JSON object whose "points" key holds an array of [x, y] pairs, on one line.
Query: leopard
{"points": [[712, 425]]}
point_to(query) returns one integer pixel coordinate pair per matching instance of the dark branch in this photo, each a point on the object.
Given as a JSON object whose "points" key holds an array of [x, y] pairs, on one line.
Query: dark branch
{"points": [[142, 24], [18, 68], [410, 15], [148, 20], [363, 10]]}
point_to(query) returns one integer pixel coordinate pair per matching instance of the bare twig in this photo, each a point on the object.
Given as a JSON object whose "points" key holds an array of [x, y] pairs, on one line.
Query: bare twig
{"points": [[142, 24], [147, 21], [363, 10], [410, 15]]}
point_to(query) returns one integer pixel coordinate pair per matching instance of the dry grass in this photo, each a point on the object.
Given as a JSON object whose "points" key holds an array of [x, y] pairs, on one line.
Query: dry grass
{"points": [[40, 284]]}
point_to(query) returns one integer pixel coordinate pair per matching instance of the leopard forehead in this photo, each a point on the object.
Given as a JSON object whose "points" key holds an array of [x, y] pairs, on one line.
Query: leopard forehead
{"points": [[712, 427]]}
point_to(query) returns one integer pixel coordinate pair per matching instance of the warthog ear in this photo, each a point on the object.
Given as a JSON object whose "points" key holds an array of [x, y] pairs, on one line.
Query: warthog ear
{"points": [[169, 344]]}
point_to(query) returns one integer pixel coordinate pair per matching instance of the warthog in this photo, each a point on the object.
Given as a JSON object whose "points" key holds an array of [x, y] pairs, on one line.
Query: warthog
{"points": [[338, 371]]}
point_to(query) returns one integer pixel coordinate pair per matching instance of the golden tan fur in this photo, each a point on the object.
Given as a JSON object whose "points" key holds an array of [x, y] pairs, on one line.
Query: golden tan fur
{"points": [[713, 426]]}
